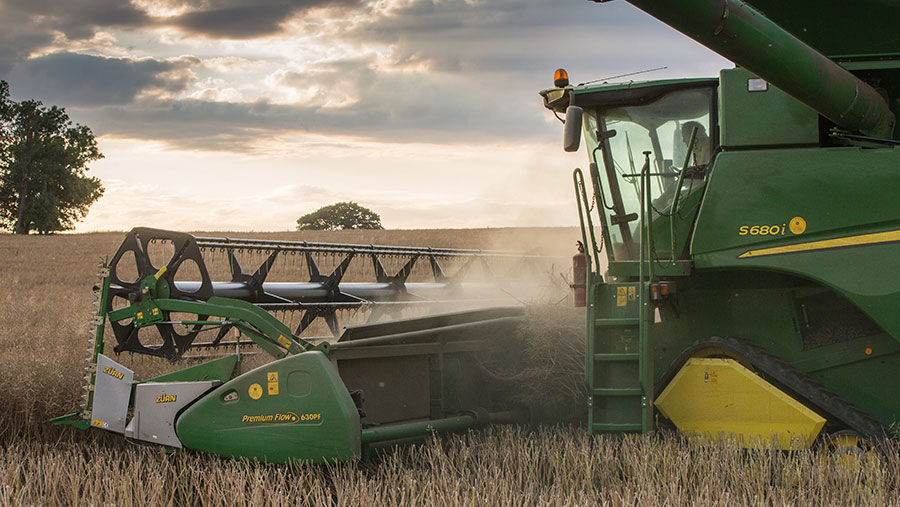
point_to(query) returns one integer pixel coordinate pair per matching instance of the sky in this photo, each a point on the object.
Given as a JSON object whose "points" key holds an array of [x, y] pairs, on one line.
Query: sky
{"points": [[243, 115]]}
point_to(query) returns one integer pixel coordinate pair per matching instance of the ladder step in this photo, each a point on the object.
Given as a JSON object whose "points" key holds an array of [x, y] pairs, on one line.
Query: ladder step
{"points": [[622, 356], [618, 391], [616, 427], [630, 321]]}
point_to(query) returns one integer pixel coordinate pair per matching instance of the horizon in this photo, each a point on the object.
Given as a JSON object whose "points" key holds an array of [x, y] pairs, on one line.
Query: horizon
{"points": [[316, 231]]}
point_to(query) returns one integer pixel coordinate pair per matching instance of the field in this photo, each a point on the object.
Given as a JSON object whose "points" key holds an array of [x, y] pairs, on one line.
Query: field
{"points": [[45, 293]]}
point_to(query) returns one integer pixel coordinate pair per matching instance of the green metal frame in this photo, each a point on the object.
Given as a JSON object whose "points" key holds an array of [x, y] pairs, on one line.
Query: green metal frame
{"points": [[265, 330], [81, 419]]}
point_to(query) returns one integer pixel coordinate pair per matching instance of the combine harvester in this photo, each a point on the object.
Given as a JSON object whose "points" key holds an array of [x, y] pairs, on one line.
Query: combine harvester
{"points": [[318, 400], [750, 226], [752, 241]]}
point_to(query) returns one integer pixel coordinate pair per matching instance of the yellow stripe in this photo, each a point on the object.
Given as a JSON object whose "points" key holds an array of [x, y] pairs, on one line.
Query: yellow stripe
{"points": [[862, 239]]}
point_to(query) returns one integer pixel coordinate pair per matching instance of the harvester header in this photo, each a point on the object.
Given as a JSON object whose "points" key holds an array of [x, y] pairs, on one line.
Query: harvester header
{"points": [[320, 398]]}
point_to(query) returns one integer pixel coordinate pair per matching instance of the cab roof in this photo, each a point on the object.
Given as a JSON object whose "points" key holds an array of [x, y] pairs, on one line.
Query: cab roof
{"points": [[612, 94]]}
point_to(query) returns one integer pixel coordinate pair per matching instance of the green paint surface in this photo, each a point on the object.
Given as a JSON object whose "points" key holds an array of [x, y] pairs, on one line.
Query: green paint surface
{"points": [[293, 409], [838, 192]]}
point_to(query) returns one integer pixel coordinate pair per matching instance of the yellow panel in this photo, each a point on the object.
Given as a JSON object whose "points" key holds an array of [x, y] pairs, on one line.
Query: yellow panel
{"points": [[719, 398]]}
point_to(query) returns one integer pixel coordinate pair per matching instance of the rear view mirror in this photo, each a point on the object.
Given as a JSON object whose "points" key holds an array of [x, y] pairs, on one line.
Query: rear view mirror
{"points": [[572, 130]]}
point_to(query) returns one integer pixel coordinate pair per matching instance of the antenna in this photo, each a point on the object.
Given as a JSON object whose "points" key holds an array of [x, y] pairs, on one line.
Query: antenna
{"points": [[624, 75]]}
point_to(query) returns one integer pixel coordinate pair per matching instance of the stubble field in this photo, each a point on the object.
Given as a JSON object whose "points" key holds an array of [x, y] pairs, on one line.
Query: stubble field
{"points": [[45, 293]]}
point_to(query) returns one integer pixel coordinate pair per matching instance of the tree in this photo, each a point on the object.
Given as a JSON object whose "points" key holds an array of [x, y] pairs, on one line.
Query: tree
{"points": [[43, 159], [341, 215]]}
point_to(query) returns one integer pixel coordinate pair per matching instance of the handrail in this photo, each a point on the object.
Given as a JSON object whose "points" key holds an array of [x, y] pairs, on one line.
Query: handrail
{"points": [[646, 257], [581, 198], [645, 182], [598, 197], [646, 246], [584, 209]]}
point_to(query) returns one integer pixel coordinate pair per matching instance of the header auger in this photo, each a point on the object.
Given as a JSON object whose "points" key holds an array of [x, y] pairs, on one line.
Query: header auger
{"points": [[321, 398]]}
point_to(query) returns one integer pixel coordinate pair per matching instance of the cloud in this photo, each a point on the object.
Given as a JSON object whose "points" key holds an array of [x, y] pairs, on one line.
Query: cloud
{"points": [[77, 19], [29, 26], [79, 80], [386, 111], [411, 71], [18, 37], [337, 83], [246, 19], [496, 35], [232, 19]]}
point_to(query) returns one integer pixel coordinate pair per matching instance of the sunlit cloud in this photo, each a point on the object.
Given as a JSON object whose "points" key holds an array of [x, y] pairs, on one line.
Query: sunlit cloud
{"points": [[101, 43]]}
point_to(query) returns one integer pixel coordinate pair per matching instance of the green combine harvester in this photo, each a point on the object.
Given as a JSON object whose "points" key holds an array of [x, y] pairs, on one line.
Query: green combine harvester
{"points": [[743, 282], [749, 225]]}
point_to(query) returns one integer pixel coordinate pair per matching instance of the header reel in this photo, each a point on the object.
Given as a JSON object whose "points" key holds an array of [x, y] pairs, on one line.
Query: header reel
{"points": [[154, 282], [139, 277]]}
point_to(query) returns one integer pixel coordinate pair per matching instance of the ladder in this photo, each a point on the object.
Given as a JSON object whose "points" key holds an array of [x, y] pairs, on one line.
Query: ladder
{"points": [[618, 363], [618, 373]]}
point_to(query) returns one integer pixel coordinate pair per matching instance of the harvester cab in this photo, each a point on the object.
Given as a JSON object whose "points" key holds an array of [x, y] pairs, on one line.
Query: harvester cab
{"points": [[633, 125], [742, 277]]}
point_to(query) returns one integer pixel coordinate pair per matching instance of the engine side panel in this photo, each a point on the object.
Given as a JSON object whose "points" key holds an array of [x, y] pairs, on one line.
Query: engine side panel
{"points": [[826, 215]]}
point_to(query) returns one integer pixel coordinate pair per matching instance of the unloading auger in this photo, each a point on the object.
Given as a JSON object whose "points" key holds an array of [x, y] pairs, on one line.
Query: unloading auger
{"points": [[320, 399]]}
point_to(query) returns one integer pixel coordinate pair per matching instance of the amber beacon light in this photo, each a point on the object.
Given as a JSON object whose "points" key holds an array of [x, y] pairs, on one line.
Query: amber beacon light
{"points": [[560, 78]]}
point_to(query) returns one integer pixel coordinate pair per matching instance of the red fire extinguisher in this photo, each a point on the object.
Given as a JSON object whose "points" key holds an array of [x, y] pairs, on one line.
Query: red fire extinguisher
{"points": [[579, 275]]}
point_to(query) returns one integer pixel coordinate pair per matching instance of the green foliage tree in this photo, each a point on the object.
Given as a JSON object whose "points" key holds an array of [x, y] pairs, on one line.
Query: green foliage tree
{"points": [[341, 215], [43, 159]]}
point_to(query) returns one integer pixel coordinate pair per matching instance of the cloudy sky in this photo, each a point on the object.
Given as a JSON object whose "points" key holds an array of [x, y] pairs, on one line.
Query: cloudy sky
{"points": [[246, 114]]}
